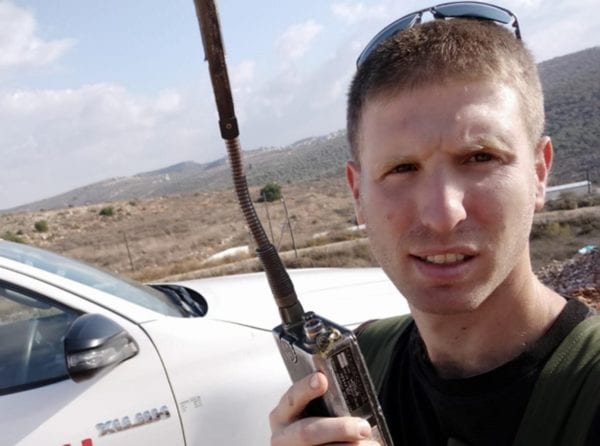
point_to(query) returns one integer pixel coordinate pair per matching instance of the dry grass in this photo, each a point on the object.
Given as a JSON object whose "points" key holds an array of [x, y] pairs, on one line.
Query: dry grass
{"points": [[558, 235], [154, 238], [174, 237], [351, 253]]}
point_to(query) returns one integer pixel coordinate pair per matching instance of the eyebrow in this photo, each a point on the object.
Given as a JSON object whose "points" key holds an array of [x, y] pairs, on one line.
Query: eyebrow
{"points": [[485, 140]]}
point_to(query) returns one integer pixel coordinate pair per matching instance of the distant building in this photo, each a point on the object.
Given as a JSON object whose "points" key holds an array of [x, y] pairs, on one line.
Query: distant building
{"points": [[579, 188]]}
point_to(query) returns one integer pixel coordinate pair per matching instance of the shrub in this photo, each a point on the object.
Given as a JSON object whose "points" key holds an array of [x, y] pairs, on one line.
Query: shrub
{"points": [[271, 192], [590, 200], [107, 211], [550, 230], [12, 237], [41, 226], [569, 201]]}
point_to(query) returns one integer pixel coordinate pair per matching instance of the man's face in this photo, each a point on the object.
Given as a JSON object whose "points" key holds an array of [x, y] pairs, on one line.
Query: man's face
{"points": [[447, 185]]}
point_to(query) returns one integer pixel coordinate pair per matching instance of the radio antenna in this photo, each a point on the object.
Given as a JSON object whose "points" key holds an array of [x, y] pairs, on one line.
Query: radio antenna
{"points": [[281, 285]]}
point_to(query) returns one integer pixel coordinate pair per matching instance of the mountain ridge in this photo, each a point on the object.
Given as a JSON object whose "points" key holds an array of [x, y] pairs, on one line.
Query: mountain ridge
{"points": [[571, 86]]}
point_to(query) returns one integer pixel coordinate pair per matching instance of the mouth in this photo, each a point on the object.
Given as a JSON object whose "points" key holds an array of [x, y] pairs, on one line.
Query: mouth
{"points": [[445, 259]]}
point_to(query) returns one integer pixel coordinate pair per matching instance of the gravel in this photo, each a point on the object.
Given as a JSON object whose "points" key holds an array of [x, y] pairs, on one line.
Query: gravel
{"points": [[577, 277]]}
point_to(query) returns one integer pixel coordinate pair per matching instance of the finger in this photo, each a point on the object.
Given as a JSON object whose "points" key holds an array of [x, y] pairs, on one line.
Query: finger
{"points": [[296, 398], [321, 431]]}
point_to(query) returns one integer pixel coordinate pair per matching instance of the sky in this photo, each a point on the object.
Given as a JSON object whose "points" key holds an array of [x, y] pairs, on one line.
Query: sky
{"points": [[97, 89]]}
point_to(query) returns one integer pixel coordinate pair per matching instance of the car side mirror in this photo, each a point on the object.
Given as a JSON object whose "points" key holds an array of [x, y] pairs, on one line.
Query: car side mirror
{"points": [[94, 343]]}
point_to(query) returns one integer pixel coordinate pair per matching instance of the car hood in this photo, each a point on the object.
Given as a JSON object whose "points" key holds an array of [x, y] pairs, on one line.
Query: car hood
{"points": [[346, 296]]}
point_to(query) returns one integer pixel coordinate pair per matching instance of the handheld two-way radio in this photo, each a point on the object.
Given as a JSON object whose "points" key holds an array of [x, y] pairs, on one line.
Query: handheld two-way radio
{"points": [[307, 342]]}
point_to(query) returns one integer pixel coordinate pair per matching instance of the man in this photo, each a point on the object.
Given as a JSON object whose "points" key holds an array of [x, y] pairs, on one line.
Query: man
{"points": [[448, 166]]}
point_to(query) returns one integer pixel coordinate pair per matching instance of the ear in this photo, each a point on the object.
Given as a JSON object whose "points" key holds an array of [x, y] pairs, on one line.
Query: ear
{"points": [[353, 178], [543, 161]]}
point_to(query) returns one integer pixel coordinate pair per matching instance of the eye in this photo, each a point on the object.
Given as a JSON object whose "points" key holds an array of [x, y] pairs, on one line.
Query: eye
{"points": [[481, 157], [404, 168]]}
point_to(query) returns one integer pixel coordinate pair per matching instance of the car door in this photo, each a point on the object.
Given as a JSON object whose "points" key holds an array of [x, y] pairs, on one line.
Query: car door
{"points": [[128, 404]]}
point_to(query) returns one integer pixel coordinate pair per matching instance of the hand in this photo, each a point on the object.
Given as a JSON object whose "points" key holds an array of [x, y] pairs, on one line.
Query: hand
{"points": [[288, 429]]}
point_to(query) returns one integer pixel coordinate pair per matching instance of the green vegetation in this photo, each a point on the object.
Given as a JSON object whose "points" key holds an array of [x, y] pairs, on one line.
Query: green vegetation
{"points": [[12, 237], [41, 226], [107, 211], [271, 192]]}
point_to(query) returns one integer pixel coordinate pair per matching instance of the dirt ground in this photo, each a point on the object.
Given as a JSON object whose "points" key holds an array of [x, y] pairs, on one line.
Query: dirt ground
{"points": [[180, 230]]}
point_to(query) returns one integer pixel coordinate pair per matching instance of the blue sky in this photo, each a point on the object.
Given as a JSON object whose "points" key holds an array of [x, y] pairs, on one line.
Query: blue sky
{"points": [[91, 90]]}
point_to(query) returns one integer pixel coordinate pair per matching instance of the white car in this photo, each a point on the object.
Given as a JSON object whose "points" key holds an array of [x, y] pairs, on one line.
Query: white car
{"points": [[88, 358]]}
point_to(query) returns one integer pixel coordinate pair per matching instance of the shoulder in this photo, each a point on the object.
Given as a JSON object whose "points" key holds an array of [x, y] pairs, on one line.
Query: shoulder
{"points": [[566, 398], [379, 332], [577, 358], [582, 345], [377, 340]]}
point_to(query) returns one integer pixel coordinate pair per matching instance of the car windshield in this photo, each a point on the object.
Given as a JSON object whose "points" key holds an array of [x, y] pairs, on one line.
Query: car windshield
{"points": [[126, 289]]}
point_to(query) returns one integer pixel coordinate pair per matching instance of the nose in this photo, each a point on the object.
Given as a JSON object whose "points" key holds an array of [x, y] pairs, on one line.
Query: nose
{"points": [[442, 202]]}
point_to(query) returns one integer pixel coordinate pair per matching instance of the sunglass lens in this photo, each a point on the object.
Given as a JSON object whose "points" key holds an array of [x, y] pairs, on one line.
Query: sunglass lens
{"points": [[477, 10]]}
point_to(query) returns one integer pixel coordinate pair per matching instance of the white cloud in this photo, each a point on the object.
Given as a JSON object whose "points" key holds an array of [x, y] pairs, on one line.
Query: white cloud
{"points": [[553, 28], [310, 103], [20, 47], [242, 76], [55, 140], [167, 101], [296, 40], [518, 6], [351, 12]]}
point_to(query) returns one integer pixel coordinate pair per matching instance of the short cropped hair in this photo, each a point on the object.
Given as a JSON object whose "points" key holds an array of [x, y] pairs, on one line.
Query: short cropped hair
{"points": [[441, 51]]}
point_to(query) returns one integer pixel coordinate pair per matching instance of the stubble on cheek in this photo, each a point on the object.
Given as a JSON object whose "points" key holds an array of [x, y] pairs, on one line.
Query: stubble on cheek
{"points": [[387, 248]]}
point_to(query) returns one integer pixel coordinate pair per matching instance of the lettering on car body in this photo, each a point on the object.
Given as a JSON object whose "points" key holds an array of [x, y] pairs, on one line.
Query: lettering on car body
{"points": [[193, 403], [86, 442], [139, 419]]}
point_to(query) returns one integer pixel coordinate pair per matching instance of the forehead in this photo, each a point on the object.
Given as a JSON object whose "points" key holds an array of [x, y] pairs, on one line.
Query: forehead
{"points": [[453, 110]]}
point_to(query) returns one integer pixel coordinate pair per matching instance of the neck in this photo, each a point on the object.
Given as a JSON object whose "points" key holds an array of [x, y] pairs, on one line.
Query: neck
{"points": [[500, 329]]}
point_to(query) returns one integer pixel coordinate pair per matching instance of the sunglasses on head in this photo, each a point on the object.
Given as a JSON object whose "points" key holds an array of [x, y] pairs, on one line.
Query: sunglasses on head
{"points": [[470, 10]]}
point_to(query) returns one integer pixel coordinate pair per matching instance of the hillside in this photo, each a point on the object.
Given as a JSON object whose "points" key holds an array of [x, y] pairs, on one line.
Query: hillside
{"points": [[572, 88], [572, 92], [310, 159], [161, 236]]}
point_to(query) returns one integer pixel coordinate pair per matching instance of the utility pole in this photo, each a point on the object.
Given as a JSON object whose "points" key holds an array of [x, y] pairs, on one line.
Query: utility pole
{"points": [[264, 196], [589, 183], [287, 217], [128, 251]]}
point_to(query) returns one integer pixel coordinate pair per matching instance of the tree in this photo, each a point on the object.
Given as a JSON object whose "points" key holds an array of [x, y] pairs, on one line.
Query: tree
{"points": [[271, 192], [41, 226], [107, 211]]}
